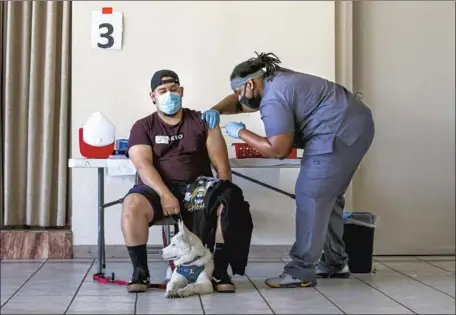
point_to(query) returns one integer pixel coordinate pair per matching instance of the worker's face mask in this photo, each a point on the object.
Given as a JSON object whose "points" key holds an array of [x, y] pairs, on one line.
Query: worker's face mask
{"points": [[253, 102], [169, 103]]}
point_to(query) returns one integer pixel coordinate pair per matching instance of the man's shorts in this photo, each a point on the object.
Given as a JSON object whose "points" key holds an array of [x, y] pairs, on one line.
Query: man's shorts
{"points": [[177, 189]]}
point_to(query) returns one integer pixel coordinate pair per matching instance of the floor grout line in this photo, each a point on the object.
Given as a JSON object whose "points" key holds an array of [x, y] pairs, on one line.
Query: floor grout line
{"points": [[383, 293], [331, 301], [202, 304], [417, 280], [79, 287], [135, 309], [437, 266], [25, 282], [261, 294]]}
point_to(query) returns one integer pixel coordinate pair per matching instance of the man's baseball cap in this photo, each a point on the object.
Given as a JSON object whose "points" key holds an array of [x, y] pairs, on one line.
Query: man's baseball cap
{"points": [[157, 78]]}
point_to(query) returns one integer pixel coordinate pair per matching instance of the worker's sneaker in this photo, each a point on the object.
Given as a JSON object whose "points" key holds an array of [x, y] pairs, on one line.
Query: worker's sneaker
{"points": [[324, 272], [224, 284], [286, 281], [139, 281]]}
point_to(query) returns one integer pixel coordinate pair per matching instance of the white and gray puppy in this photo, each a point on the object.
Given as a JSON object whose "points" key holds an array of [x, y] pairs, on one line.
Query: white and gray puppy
{"points": [[194, 265]]}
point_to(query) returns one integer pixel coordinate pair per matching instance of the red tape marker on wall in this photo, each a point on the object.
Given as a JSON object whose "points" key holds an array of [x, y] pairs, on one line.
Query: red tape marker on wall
{"points": [[106, 10]]}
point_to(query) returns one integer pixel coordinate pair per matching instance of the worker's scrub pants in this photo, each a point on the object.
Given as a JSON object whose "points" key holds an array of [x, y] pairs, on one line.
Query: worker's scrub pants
{"points": [[320, 188]]}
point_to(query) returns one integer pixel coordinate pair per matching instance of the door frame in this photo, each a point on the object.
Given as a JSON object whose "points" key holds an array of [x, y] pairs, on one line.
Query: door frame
{"points": [[3, 21], [344, 43], [344, 66]]}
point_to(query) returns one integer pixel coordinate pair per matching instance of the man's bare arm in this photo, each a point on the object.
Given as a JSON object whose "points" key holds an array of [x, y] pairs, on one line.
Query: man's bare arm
{"points": [[218, 153], [229, 105], [142, 158]]}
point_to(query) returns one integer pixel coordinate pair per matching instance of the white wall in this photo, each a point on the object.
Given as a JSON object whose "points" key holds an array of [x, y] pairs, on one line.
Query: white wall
{"points": [[202, 42]]}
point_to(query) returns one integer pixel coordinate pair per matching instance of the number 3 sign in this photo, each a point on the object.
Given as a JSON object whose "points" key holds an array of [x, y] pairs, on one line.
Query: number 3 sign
{"points": [[106, 29]]}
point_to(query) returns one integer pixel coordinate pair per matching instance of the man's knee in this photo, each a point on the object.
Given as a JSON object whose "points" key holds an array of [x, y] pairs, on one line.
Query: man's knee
{"points": [[137, 205]]}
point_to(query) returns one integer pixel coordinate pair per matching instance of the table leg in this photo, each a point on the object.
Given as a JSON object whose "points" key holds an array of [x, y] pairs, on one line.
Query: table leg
{"points": [[101, 242]]}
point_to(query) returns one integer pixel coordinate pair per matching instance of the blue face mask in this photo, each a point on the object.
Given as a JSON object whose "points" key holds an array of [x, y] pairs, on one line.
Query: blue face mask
{"points": [[169, 103]]}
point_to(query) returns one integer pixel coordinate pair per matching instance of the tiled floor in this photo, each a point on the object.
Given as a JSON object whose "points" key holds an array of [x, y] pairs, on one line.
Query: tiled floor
{"points": [[401, 285]]}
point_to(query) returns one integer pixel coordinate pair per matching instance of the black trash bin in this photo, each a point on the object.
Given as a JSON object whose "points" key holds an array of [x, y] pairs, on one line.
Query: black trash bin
{"points": [[359, 240]]}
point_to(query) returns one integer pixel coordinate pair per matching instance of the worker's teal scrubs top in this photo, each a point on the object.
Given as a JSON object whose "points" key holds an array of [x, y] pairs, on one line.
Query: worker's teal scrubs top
{"points": [[316, 109]]}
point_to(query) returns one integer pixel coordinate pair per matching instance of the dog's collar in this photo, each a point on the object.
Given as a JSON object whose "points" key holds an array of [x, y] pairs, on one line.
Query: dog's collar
{"points": [[190, 262]]}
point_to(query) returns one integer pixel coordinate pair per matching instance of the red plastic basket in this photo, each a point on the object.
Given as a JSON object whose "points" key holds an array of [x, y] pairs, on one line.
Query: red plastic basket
{"points": [[244, 151]]}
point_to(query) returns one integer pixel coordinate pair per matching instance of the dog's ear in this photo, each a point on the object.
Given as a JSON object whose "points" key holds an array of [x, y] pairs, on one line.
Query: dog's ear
{"points": [[184, 231], [182, 227]]}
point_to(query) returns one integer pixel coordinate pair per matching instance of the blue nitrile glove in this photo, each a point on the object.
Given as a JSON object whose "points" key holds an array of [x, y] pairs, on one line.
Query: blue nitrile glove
{"points": [[232, 129], [212, 118]]}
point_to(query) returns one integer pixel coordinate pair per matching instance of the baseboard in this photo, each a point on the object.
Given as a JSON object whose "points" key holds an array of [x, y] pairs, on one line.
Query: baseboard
{"points": [[36, 244], [120, 251]]}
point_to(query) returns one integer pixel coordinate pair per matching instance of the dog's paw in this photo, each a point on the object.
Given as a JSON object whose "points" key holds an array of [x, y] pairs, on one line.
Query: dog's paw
{"points": [[169, 294], [187, 291]]}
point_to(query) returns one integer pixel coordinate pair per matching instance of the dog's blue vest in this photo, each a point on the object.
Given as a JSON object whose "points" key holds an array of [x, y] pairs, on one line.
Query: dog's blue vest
{"points": [[190, 272]]}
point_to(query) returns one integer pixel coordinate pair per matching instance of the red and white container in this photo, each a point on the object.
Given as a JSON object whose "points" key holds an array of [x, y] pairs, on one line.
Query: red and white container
{"points": [[97, 137]]}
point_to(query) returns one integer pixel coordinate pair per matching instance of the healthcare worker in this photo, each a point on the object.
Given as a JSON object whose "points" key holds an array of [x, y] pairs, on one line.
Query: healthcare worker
{"points": [[334, 128]]}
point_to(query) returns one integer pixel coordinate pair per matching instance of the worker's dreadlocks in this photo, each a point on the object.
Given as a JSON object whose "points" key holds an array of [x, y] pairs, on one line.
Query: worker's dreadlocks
{"points": [[269, 61]]}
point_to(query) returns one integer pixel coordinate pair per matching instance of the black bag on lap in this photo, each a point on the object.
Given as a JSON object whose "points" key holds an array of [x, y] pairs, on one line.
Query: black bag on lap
{"points": [[202, 199]]}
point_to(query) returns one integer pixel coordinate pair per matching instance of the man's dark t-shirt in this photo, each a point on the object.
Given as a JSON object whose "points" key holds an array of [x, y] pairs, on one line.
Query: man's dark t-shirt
{"points": [[179, 152]]}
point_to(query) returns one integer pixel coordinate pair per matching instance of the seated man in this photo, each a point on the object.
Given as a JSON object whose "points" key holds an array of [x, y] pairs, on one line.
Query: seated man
{"points": [[170, 149]]}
